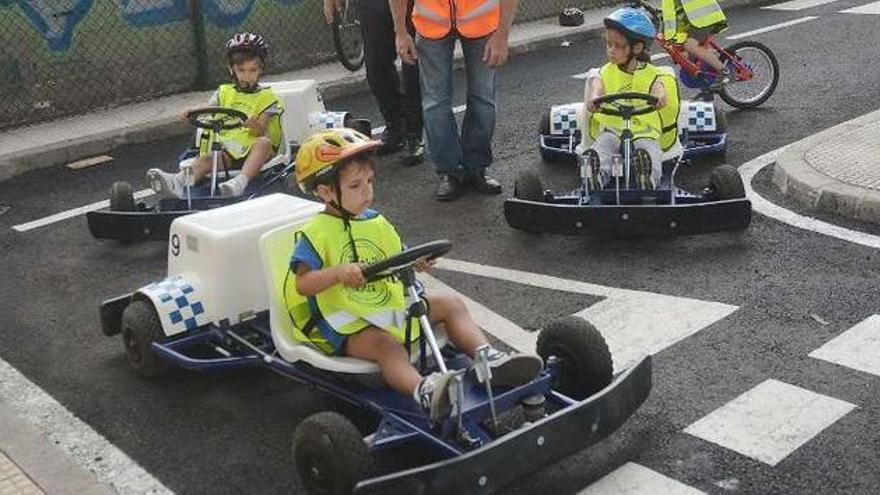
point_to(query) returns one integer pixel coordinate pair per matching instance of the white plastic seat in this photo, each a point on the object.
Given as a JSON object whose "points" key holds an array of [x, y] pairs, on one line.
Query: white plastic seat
{"points": [[276, 247]]}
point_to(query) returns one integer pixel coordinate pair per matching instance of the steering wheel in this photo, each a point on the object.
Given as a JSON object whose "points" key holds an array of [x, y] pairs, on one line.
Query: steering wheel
{"points": [[405, 259], [216, 118], [620, 109]]}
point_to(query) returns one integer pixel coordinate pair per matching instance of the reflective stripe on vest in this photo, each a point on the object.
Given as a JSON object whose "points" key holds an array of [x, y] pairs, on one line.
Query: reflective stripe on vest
{"points": [[347, 310], [700, 13], [615, 80], [433, 19], [238, 141]]}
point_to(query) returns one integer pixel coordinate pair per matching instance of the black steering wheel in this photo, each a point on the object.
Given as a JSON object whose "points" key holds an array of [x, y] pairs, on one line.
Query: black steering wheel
{"points": [[405, 259], [216, 118], [648, 104]]}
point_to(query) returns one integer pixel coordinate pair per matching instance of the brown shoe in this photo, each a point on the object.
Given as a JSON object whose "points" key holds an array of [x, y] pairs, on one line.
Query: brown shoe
{"points": [[483, 183], [448, 188]]}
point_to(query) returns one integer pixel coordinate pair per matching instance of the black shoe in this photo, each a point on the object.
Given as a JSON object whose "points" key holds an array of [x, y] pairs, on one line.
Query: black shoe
{"points": [[448, 188], [392, 141], [642, 163], [483, 183], [414, 153]]}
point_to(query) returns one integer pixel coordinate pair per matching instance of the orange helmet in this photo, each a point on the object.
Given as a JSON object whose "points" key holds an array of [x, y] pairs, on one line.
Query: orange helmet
{"points": [[322, 153]]}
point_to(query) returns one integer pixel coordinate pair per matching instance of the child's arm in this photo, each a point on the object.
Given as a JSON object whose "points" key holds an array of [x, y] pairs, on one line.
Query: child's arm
{"points": [[259, 123], [658, 90], [310, 282], [594, 89]]}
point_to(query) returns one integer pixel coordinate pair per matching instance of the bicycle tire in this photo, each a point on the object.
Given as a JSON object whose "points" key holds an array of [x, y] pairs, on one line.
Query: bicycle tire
{"points": [[351, 61], [730, 98]]}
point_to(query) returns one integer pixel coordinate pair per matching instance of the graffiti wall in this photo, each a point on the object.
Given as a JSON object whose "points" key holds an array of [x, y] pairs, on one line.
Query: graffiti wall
{"points": [[61, 57]]}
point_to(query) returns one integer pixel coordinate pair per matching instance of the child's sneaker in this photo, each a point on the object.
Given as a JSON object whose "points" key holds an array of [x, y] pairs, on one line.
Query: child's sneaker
{"points": [[513, 370], [725, 78], [234, 186], [433, 394], [591, 159], [166, 184], [642, 165]]}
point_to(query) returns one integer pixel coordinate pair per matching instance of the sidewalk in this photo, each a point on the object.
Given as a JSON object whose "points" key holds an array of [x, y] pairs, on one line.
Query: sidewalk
{"points": [[82, 136], [836, 170]]}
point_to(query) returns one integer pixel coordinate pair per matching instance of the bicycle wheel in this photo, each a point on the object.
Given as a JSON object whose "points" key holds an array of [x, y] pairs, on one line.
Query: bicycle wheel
{"points": [[347, 38], [765, 75]]}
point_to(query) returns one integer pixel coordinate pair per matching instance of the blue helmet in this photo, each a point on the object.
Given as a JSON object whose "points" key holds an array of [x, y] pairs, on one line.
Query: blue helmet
{"points": [[632, 23]]}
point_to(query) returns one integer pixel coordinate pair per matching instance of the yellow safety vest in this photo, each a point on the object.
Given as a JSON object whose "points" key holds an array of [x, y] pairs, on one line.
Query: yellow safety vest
{"points": [[651, 125], [345, 310], [699, 13], [237, 142]]}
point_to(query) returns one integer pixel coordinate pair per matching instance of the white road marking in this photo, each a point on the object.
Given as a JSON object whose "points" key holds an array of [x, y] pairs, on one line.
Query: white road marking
{"points": [[75, 438], [628, 319], [634, 479], [64, 215], [771, 28], [797, 4], [857, 348], [871, 8], [748, 171], [770, 421]]}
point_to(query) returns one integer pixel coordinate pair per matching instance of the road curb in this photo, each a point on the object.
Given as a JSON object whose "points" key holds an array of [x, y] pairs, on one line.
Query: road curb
{"points": [[817, 192]]}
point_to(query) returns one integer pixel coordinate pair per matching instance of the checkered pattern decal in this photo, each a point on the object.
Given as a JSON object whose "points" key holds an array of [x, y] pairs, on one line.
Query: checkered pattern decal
{"points": [[700, 116], [176, 298], [327, 120], [563, 120]]}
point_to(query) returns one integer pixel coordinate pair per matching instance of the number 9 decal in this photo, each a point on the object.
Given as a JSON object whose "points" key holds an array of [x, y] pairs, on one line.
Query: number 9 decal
{"points": [[175, 244]]}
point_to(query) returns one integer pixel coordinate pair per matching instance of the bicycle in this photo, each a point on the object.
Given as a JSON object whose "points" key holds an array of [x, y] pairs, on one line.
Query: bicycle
{"points": [[347, 38], [754, 66]]}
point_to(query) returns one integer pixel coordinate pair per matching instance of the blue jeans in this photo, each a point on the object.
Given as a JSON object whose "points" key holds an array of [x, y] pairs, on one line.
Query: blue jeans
{"points": [[472, 151]]}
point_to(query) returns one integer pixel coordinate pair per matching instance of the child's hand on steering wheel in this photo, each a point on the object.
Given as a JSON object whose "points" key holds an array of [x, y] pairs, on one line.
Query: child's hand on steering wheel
{"points": [[350, 274]]}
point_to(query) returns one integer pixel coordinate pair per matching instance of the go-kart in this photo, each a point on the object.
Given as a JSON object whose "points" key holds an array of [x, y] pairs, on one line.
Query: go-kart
{"points": [[199, 318], [128, 219], [620, 208]]}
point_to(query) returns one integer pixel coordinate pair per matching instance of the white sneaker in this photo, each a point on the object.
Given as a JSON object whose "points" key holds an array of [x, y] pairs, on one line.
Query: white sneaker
{"points": [[166, 184], [433, 394], [234, 186]]}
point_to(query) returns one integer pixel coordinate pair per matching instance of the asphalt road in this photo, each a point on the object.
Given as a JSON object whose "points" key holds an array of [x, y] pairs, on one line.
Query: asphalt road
{"points": [[794, 290]]}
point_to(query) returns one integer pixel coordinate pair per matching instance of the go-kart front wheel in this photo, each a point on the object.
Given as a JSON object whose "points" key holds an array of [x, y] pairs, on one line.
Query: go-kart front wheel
{"points": [[585, 365], [725, 183], [330, 454], [121, 197], [140, 328], [528, 186]]}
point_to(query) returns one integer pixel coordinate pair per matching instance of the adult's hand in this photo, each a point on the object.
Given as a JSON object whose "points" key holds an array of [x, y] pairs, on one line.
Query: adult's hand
{"points": [[495, 54], [330, 9], [406, 47]]}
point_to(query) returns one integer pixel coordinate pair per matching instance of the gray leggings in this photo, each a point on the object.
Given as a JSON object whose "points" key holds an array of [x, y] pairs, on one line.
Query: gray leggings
{"points": [[607, 145]]}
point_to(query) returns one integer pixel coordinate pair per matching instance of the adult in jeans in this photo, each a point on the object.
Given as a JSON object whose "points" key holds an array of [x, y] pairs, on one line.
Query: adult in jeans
{"points": [[482, 28], [399, 104]]}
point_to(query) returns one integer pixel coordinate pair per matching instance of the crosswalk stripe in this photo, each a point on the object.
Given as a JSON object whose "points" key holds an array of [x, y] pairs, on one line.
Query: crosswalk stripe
{"points": [[797, 4], [628, 319], [770, 421], [634, 478], [871, 8], [857, 348]]}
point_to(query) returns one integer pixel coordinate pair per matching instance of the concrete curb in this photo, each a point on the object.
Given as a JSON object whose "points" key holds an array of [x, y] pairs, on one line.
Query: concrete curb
{"points": [[812, 189]]}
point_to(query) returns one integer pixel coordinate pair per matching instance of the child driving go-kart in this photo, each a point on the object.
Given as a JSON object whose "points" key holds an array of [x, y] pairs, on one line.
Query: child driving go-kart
{"points": [[629, 33], [252, 141], [333, 308]]}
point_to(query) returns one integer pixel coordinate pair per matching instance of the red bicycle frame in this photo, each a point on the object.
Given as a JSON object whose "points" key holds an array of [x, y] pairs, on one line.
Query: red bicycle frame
{"points": [[680, 56]]}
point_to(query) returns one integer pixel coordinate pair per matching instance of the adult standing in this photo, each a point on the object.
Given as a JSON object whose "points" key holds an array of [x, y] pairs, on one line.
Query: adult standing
{"points": [[399, 104], [482, 28]]}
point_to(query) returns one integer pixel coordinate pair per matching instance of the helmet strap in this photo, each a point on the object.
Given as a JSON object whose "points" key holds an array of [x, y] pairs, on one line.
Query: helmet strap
{"points": [[346, 217]]}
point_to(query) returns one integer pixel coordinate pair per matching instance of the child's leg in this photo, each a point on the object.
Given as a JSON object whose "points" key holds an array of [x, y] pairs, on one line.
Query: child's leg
{"points": [[462, 330], [382, 348], [606, 145], [257, 156], [652, 147], [694, 48]]}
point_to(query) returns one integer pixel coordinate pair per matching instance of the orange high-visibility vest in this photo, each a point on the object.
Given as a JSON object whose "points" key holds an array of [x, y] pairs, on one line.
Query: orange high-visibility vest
{"points": [[434, 19]]}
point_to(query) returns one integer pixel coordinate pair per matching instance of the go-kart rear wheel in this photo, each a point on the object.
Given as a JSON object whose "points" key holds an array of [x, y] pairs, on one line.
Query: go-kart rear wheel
{"points": [[330, 454], [544, 123], [528, 186], [585, 365], [725, 183], [140, 328], [121, 197]]}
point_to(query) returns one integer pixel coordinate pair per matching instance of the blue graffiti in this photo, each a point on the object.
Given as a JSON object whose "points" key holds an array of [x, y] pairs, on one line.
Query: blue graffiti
{"points": [[155, 13], [56, 21], [231, 13]]}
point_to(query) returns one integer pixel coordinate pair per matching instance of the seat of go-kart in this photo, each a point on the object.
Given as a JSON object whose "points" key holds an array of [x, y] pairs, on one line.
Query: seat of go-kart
{"points": [[276, 247]]}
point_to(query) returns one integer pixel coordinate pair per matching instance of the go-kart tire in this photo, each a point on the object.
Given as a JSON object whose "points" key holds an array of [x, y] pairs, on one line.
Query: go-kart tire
{"points": [[726, 183], [544, 123], [528, 186], [121, 197], [140, 328], [583, 356], [720, 120], [329, 454]]}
